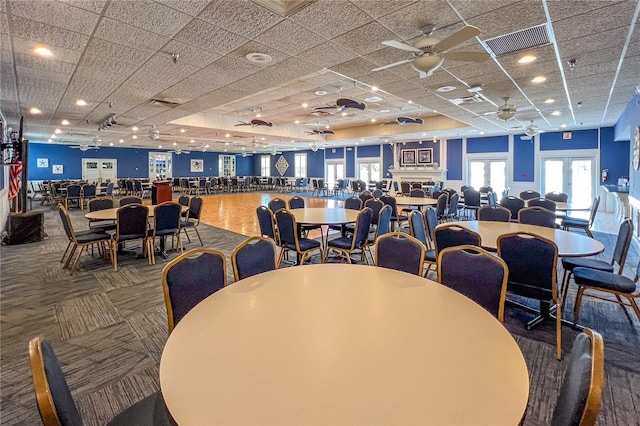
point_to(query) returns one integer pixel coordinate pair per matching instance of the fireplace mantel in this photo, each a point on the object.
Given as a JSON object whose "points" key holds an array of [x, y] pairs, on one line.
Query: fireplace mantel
{"points": [[420, 174]]}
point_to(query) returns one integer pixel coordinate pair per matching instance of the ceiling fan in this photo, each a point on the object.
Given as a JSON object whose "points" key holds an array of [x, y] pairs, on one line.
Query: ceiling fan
{"points": [[255, 123], [404, 121], [529, 131], [97, 143], [154, 133], [429, 53], [341, 105], [177, 151], [321, 132]]}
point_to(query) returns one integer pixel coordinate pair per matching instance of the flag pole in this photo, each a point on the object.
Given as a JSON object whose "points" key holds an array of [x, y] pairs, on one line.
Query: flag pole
{"points": [[24, 157]]}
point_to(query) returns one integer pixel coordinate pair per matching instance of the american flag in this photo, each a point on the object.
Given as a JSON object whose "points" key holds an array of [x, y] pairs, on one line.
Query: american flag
{"points": [[15, 171]]}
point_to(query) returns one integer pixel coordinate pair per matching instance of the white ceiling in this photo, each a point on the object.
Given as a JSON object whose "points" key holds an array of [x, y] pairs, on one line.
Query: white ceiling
{"points": [[117, 56]]}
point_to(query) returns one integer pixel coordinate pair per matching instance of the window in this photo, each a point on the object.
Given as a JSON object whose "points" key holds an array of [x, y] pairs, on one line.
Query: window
{"points": [[227, 165], [369, 171], [265, 165], [301, 165]]}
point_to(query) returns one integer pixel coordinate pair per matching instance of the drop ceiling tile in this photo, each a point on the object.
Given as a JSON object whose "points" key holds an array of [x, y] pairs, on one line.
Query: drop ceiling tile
{"points": [[471, 9], [4, 23], [149, 16], [188, 89], [117, 52], [289, 37], [86, 88], [190, 54], [242, 17], [191, 7], [144, 83], [24, 46], [376, 9], [56, 14], [592, 44], [225, 70], [5, 41], [95, 6], [559, 10], [283, 72], [41, 74], [38, 63], [163, 64], [330, 18], [354, 68], [614, 15], [99, 68], [508, 19], [327, 55], [365, 39], [407, 22], [51, 35], [206, 36], [128, 35]]}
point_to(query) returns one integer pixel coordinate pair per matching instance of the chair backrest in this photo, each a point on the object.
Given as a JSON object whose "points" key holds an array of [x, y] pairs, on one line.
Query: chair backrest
{"points": [[183, 200], [66, 222], [375, 205], [55, 403], [472, 198], [485, 189], [296, 203], [416, 185], [453, 235], [167, 216], [353, 203], [492, 198], [378, 193], [73, 191], [537, 216], [530, 276], [477, 274], [195, 208], [384, 220], [623, 242], [441, 206], [277, 204], [514, 204], [130, 200], [558, 197], [405, 186], [191, 278], [416, 227], [109, 189], [436, 193], [100, 204], [88, 191], [361, 230], [267, 222], [417, 192], [542, 202], [254, 256], [594, 210], [364, 196], [494, 214], [287, 227], [453, 204], [580, 396], [529, 194], [431, 221], [400, 251], [132, 219]]}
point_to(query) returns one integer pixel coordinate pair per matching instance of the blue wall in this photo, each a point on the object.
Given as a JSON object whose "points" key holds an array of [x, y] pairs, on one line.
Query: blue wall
{"points": [[580, 139], [387, 160], [368, 151], [454, 159], [350, 166], [523, 160], [613, 155], [334, 153], [488, 144]]}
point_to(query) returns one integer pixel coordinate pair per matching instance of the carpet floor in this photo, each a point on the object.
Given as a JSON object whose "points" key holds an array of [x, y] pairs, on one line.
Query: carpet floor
{"points": [[108, 329]]}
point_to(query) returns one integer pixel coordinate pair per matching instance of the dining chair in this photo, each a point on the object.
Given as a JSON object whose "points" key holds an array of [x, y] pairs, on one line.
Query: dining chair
{"points": [[277, 204], [384, 226], [82, 239], [472, 200], [254, 256], [538, 216], [569, 222], [192, 220], [514, 204], [542, 202], [189, 279], [494, 214], [167, 220], [399, 251], [298, 203], [57, 406], [267, 222], [375, 205], [345, 246], [132, 223], [417, 228], [97, 204], [529, 194], [130, 200], [477, 274], [74, 195], [452, 235], [441, 206], [580, 396], [289, 240], [88, 193], [558, 197], [396, 218], [533, 277]]}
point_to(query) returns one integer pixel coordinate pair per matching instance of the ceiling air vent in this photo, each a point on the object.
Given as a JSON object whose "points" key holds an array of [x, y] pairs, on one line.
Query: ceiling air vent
{"points": [[466, 100], [284, 7], [519, 40], [168, 102]]}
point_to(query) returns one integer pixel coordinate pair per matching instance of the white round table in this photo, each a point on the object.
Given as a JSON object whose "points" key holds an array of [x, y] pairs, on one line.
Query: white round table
{"points": [[324, 216], [416, 201], [337, 344]]}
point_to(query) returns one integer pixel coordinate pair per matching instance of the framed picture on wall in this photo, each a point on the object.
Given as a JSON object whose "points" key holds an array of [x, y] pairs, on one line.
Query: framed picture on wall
{"points": [[425, 156], [408, 157], [57, 169], [43, 163], [197, 166]]}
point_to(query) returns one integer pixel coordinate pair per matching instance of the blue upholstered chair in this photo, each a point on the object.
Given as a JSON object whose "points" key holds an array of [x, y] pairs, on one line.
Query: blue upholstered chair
{"points": [[538, 216], [345, 246], [57, 407], [82, 239], [454, 235], [97, 204], [558, 197], [569, 222], [132, 223], [130, 200], [267, 222], [88, 193], [193, 218], [529, 194], [514, 204], [494, 214], [472, 200], [296, 202], [400, 251], [477, 274], [384, 226], [277, 204], [542, 202], [289, 239], [74, 195], [417, 227], [191, 278], [167, 219], [254, 256]]}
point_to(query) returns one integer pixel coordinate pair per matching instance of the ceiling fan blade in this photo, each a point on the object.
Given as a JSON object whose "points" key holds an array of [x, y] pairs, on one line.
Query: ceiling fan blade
{"points": [[456, 38], [395, 64], [467, 56], [401, 46]]}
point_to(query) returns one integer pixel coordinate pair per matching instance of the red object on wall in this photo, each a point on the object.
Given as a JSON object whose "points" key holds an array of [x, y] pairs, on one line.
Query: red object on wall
{"points": [[161, 192]]}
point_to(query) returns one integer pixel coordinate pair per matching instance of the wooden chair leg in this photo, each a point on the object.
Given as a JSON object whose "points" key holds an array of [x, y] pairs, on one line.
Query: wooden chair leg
{"points": [[75, 263], [634, 305], [558, 332], [576, 307], [187, 234], [73, 251], [65, 252], [114, 252], [624, 309], [198, 234]]}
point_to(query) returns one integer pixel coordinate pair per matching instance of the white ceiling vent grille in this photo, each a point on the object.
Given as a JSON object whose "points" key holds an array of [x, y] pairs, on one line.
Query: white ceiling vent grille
{"points": [[466, 100], [169, 102], [284, 7], [519, 40]]}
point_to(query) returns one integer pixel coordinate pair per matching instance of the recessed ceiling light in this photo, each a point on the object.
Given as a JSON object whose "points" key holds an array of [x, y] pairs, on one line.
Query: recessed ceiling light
{"points": [[435, 110], [175, 143], [192, 141], [43, 51], [65, 122], [225, 150], [226, 143], [35, 111], [373, 99], [121, 140], [297, 122], [110, 143], [443, 89], [182, 130], [374, 88], [556, 113], [304, 105], [134, 137], [53, 136], [320, 92], [134, 128], [482, 133], [343, 113], [258, 58], [356, 143], [258, 115], [539, 79], [549, 101], [81, 102], [57, 131], [50, 140], [373, 120], [327, 126], [228, 135], [361, 140], [424, 134], [527, 59], [410, 102], [159, 146], [564, 126]]}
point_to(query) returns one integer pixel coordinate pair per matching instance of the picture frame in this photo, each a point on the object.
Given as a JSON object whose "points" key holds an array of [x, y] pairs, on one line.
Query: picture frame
{"points": [[408, 157], [197, 166], [425, 156], [57, 169], [42, 163]]}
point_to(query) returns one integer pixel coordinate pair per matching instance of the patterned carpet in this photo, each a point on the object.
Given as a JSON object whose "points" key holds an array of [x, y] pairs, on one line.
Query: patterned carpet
{"points": [[108, 330]]}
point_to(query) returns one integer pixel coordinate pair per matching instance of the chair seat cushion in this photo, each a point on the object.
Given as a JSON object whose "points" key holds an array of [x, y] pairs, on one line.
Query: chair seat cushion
{"points": [[582, 262], [574, 221], [150, 411], [94, 236], [430, 255], [341, 242], [170, 231], [187, 223], [129, 237], [103, 227], [603, 280], [305, 244]]}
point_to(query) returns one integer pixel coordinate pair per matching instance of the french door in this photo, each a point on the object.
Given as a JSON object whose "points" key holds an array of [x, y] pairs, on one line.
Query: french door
{"points": [[160, 165], [369, 171], [491, 173], [573, 176], [335, 171], [99, 170]]}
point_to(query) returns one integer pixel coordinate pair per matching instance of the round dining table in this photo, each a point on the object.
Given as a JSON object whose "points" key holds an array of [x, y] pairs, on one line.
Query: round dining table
{"points": [[420, 202], [337, 344], [570, 244], [111, 214], [324, 216]]}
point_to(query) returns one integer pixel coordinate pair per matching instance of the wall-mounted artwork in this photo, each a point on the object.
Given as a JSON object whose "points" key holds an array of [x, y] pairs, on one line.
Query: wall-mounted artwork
{"points": [[43, 163], [425, 156], [197, 166], [408, 157], [57, 169]]}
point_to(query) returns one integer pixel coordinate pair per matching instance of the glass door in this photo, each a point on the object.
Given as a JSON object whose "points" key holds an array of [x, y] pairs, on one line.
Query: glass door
{"points": [[160, 165], [491, 173], [369, 171], [573, 176], [335, 171]]}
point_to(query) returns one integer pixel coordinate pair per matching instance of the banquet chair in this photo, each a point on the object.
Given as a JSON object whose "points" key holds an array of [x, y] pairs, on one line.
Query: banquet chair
{"points": [[345, 246], [542, 202], [477, 274], [98, 204], [384, 226], [191, 278], [267, 222], [399, 251], [529, 194], [277, 204], [620, 251], [254, 256], [558, 197], [471, 202], [617, 285], [184, 200], [441, 207], [74, 194], [289, 240], [298, 203], [417, 228], [569, 222], [430, 223], [538, 216], [580, 396], [452, 210], [132, 223], [452, 235], [375, 205], [365, 196], [415, 193], [80, 239], [56, 404], [533, 277], [88, 193], [109, 190], [167, 219], [192, 220], [396, 218], [405, 187], [130, 200], [514, 204], [494, 214], [377, 193]]}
